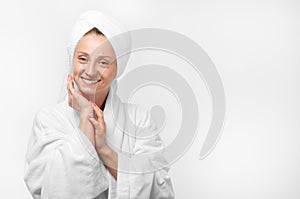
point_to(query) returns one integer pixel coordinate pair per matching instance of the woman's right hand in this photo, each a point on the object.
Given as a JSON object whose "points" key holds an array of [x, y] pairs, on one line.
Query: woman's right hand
{"points": [[84, 107], [76, 100]]}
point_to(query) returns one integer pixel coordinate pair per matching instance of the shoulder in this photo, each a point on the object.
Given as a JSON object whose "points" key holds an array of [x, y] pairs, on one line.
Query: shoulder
{"points": [[49, 115], [48, 111]]}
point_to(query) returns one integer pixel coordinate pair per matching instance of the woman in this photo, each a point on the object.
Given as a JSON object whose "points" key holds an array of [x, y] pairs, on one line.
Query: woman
{"points": [[86, 146]]}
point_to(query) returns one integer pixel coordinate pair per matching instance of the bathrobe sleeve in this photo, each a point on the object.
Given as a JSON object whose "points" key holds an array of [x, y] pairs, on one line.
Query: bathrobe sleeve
{"points": [[57, 166], [155, 184]]}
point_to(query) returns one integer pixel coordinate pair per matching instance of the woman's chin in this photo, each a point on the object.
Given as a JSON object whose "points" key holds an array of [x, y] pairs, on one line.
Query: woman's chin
{"points": [[87, 92], [91, 91]]}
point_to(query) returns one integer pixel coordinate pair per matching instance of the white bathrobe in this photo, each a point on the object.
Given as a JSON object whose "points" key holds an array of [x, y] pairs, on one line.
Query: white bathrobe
{"points": [[62, 163]]}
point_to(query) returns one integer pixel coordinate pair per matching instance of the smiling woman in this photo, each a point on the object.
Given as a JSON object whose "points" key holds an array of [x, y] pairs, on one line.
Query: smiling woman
{"points": [[94, 65], [84, 146]]}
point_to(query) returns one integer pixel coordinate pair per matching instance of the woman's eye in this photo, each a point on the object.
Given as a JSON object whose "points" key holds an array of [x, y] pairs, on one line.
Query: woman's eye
{"points": [[103, 63], [83, 59]]}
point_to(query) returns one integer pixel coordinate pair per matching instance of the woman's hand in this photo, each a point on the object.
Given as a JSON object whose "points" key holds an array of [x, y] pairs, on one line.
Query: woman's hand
{"points": [[99, 129], [76, 100], [108, 156], [83, 106]]}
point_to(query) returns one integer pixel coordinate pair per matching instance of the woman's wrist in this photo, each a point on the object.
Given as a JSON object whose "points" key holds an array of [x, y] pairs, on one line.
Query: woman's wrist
{"points": [[104, 151], [110, 159], [86, 112], [108, 156], [86, 126]]}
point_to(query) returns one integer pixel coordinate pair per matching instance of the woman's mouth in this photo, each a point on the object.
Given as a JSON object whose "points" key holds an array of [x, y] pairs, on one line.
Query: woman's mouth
{"points": [[90, 82]]}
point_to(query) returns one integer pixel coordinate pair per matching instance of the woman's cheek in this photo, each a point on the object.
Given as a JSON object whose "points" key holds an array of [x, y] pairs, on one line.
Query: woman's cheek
{"points": [[75, 70]]}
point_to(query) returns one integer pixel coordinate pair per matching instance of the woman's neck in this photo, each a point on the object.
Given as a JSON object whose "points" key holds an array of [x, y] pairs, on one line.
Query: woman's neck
{"points": [[100, 99]]}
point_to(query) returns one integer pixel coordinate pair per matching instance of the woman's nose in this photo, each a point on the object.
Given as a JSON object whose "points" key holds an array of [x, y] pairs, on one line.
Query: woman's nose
{"points": [[91, 70]]}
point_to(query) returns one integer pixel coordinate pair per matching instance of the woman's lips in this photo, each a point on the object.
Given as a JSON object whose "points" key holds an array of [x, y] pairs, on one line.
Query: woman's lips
{"points": [[90, 82]]}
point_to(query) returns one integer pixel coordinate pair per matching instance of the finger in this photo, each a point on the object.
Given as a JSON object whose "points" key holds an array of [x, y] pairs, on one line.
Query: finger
{"points": [[70, 97], [70, 101], [70, 84], [98, 111], [69, 92], [74, 93], [96, 125], [100, 119]]}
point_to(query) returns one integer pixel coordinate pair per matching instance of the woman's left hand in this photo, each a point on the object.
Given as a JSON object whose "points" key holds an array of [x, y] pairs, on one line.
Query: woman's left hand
{"points": [[100, 128], [108, 156]]}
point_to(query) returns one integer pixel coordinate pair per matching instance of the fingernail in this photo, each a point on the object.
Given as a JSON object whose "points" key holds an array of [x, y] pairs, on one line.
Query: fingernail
{"points": [[94, 104], [89, 116]]}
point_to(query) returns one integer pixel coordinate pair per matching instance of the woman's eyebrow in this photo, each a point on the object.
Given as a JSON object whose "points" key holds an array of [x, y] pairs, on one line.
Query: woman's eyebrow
{"points": [[100, 56], [83, 52]]}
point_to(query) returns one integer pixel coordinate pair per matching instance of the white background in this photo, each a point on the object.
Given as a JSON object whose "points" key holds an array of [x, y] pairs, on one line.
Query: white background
{"points": [[255, 46]]}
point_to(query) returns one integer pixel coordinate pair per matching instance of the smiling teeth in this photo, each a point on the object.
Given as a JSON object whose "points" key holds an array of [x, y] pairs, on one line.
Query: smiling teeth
{"points": [[89, 81]]}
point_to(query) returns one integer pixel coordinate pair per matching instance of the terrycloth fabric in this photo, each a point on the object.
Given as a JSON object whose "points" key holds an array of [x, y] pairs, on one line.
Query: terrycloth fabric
{"points": [[61, 162]]}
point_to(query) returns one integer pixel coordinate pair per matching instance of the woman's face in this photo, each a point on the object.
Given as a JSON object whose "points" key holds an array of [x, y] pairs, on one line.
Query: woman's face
{"points": [[94, 66]]}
